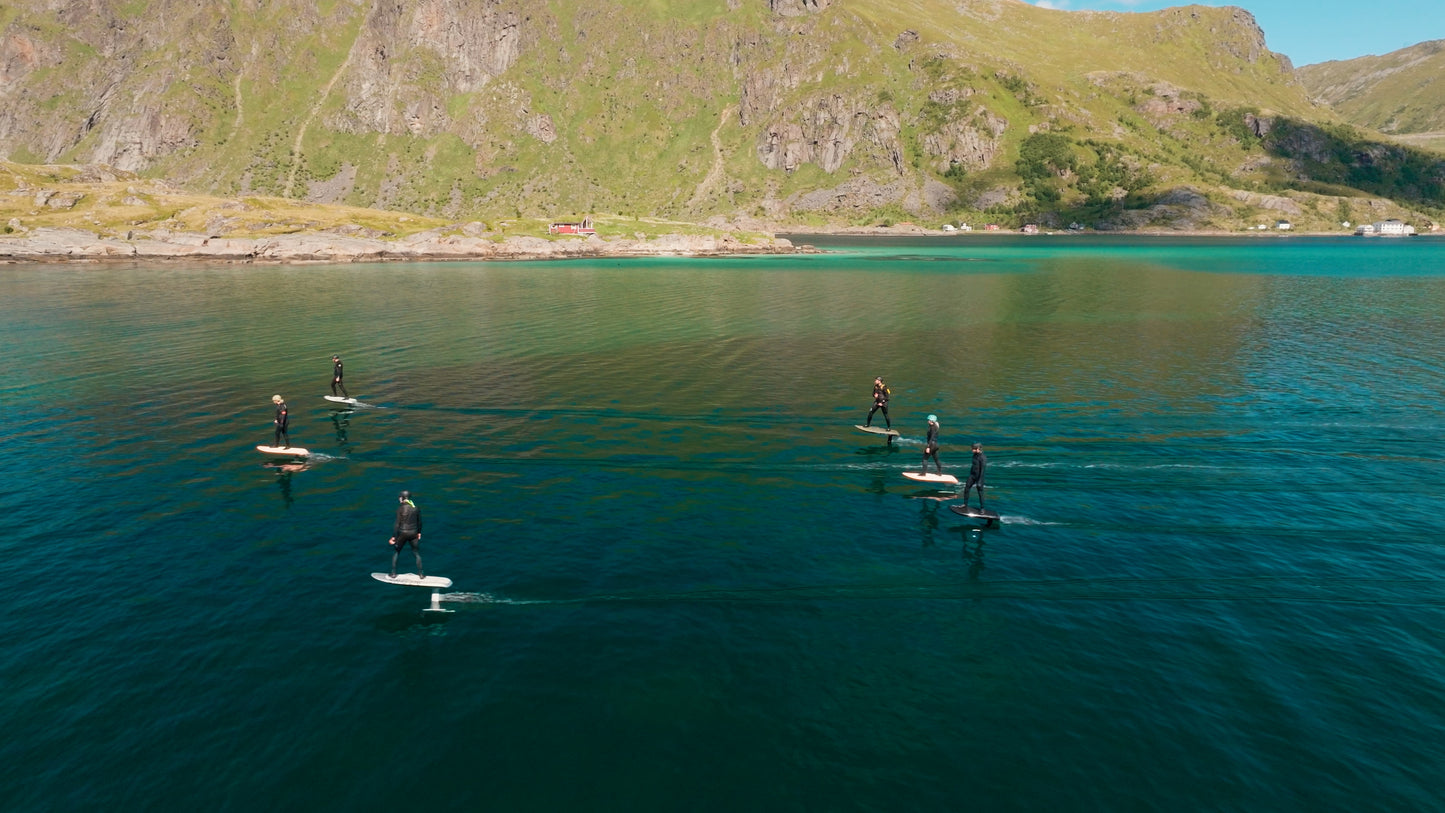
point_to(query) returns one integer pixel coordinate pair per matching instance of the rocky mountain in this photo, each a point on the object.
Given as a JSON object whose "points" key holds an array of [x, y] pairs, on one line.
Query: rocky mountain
{"points": [[1400, 92], [731, 112]]}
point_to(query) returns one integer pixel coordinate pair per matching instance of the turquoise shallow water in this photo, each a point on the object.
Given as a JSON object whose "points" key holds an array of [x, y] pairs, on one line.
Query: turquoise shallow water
{"points": [[684, 582]]}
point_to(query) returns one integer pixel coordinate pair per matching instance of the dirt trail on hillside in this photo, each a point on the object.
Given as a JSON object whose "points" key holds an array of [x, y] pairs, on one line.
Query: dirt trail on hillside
{"points": [[316, 110], [715, 173]]}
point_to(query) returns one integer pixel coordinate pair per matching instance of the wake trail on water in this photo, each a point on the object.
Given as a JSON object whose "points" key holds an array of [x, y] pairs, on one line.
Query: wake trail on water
{"points": [[300, 464], [1396, 592], [488, 598]]}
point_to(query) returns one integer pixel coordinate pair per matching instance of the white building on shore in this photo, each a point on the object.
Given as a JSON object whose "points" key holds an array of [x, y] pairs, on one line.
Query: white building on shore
{"points": [[1386, 228]]}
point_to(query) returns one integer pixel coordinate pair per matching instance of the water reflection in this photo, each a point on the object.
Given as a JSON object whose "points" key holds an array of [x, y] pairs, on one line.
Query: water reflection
{"points": [[972, 552], [876, 451], [340, 421], [400, 622], [284, 471], [928, 520], [877, 483]]}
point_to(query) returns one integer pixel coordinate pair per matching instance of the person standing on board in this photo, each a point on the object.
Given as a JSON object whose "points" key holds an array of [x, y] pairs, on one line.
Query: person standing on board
{"points": [[406, 531], [930, 445], [975, 475], [336, 377], [880, 401], [283, 419]]}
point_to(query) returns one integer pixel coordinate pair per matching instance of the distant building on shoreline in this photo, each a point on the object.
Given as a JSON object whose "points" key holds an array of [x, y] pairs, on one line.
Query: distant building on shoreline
{"points": [[585, 227], [1385, 228]]}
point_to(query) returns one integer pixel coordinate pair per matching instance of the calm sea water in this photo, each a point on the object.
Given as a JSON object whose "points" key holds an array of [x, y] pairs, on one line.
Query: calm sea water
{"points": [[683, 581]]}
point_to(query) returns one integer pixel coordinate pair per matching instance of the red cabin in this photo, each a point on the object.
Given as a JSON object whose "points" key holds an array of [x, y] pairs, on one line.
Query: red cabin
{"points": [[585, 227]]}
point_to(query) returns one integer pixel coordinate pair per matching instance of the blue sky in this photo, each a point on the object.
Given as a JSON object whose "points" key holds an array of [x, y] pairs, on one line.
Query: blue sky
{"points": [[1310, 31]]}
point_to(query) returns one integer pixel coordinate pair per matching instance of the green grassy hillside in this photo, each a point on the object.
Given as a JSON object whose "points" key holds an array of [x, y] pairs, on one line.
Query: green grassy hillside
{"points": [[717, 111], [1400, 92]]}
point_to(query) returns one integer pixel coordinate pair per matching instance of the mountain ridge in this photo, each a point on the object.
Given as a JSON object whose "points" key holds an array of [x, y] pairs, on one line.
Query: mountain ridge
{"points": [[1402, 92], [812, 112]]}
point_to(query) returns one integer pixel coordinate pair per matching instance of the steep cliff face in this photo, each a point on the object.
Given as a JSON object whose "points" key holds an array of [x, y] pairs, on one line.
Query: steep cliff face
{"points": [[100, 82], [683, 108], [828, 132], [971, 144], [408, 61]]}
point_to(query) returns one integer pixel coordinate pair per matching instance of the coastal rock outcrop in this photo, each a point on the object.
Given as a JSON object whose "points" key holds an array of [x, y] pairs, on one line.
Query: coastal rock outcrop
{"points": [[1274, 203], [54, 244], [1181, 208]]}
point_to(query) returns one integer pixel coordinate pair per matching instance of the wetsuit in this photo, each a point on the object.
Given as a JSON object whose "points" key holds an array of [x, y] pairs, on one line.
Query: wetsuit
{"points": [[975, 478], [880, 401], [336, 380], [283, 418], [407, 531], [930, 448]]}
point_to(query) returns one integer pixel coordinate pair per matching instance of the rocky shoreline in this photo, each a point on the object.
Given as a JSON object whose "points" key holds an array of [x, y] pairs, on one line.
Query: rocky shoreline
{"points": [[43, 245], [67, 245]]}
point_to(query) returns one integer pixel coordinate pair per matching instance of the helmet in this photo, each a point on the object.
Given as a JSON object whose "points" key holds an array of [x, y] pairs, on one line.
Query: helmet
{"points": [[933, 419], [406, 495], [275, 399]]}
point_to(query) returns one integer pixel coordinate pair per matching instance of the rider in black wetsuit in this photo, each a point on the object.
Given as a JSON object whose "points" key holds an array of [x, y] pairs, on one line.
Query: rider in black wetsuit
{"points": [[930, 445], [975, 475], [406, 531], [283, 418], [336, 377], [880, 401]]}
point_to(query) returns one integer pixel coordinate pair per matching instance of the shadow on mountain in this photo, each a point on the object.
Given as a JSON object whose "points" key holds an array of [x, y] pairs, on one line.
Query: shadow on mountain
{"points": [[1333, 160]]}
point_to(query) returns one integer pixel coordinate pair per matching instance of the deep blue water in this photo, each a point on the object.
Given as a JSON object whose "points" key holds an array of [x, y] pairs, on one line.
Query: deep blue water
{"points": [[683, 581]]}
